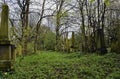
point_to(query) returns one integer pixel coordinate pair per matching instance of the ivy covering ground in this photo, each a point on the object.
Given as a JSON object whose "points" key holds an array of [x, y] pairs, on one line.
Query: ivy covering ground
{"points": [[53, 65]]}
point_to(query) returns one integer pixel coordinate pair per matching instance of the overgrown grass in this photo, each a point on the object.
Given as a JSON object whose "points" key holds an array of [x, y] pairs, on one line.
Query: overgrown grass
{"points": [[53, 65]]}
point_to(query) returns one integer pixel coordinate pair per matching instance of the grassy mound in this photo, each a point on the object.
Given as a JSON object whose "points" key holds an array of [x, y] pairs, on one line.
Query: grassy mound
{"points": [[53, 65]]}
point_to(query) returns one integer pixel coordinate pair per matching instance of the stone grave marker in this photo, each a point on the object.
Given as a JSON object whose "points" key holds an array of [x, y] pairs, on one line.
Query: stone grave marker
{"points": [[7, 55]]}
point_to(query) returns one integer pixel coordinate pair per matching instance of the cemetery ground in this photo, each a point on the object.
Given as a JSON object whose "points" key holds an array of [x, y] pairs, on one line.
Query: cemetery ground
{"points": [[58, 65]]}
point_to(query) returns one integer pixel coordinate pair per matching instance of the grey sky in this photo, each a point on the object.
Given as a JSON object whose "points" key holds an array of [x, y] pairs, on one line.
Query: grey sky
{"points": [[36, 6]]}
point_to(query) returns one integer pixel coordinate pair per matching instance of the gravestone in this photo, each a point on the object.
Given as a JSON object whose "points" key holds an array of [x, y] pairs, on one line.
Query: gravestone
{"points": [[7, 55]]}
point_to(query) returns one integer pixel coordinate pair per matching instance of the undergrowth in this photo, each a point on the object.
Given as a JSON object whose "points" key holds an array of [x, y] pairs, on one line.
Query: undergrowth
{"points": [[54, 65]]}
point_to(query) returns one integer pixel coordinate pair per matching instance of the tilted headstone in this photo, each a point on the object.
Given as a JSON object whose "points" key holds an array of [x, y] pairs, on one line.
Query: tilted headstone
{"points": [[6, 48]]}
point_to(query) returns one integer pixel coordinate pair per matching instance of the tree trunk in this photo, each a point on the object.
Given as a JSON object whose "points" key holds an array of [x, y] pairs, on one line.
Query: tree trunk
{"points": [[37, 28], [58, 8], [26, 27], [84, 42], [101, 48]]}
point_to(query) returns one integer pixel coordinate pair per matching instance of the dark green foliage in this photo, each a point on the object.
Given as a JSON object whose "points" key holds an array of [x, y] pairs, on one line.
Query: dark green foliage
{"points": [[77, 42], [46, 39], [115, 47], [115, 43], [49, 41], [53, 65]]}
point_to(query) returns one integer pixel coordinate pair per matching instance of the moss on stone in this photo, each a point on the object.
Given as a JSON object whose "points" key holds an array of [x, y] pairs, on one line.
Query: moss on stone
{"points": [[4, 23], [5, 46]]}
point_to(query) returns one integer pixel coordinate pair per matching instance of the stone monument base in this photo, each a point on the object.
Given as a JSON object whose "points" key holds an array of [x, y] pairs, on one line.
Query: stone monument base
{"points": [[7, 56]]}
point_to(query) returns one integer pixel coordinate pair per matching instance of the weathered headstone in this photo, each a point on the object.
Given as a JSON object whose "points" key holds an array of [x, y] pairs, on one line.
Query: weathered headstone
{"points": [[6, 48], [101, 48]]}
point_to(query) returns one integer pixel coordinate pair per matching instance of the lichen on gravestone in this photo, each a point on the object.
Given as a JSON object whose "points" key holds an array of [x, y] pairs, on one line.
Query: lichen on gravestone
{"points": [[6, 48], [4, 23]]}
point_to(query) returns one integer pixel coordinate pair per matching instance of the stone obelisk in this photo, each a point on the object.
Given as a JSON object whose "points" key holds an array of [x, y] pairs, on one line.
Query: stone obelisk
{"points": [[4, 23], [6, 48]]}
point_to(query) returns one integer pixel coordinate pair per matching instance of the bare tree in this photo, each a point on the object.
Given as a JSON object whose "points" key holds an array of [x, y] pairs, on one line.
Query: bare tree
{"points": [[38, 26], [24, 6]]}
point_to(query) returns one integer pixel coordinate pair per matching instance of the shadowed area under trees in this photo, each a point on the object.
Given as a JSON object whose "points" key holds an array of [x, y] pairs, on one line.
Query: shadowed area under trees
{"points": [[60, 39]]}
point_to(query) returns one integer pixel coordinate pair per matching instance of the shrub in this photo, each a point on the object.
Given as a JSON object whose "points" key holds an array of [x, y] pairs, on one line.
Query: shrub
{"points": [[115, 47]]}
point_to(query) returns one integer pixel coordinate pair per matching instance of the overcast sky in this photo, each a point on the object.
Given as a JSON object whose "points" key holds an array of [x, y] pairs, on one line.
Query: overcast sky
{"points": [[36, 6]]}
